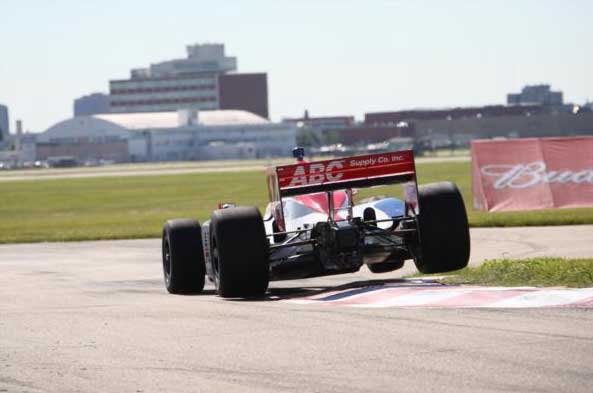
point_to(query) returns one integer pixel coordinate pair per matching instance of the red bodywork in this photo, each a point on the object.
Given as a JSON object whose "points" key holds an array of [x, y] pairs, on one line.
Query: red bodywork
{"points": [[302, 178], [318, 201]]}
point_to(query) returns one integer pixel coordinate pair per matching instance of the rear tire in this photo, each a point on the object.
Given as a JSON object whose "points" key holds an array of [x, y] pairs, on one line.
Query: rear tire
{"points": [[239, 252], [443, 231], [183, 259]]}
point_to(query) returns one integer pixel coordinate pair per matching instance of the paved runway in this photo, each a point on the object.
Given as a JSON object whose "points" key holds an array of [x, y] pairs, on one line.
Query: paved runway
{"points": [[167, 168], [94, 316]]}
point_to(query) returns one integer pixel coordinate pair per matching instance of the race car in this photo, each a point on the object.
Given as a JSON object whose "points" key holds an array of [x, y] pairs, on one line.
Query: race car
{"points": [[313, 227]]}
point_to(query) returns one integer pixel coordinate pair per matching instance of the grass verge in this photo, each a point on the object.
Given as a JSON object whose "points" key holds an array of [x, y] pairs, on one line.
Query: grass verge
{"points": [[536, 272], [136, 207]]}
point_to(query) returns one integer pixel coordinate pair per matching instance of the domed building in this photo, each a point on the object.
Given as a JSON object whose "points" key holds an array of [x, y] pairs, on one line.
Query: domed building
{"points": [[166, 136]]}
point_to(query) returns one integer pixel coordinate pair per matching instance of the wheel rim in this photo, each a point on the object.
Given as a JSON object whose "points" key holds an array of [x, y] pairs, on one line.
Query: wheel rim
{"points": [[416, 249], [167, 261], [215, 263]]}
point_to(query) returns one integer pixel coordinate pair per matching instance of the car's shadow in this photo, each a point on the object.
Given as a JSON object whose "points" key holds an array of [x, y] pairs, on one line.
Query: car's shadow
{"points": [[285, 293]]}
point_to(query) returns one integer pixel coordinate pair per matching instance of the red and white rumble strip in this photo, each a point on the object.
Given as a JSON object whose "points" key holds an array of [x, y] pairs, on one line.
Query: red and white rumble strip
{"points": [[431, 294]]}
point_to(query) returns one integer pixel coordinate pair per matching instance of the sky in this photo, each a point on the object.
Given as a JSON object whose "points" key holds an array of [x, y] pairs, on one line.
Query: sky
{"points": [[330, 57]]}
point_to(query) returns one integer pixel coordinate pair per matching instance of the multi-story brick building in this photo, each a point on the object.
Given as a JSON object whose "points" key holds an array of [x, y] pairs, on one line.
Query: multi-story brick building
{"points": [[205, 80]]}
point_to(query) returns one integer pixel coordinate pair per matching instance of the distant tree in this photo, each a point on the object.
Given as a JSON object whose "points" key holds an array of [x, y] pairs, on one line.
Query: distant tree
{"points": [[330, 138], [307, 138]]}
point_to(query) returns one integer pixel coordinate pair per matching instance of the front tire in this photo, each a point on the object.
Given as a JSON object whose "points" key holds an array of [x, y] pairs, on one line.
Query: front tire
{"points": [[183, 259], [239, 252], [443, 242]]}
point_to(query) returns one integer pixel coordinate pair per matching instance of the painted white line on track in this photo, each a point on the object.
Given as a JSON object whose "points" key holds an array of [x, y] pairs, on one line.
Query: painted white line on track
{"points": [[546, 298], [416, 298]]}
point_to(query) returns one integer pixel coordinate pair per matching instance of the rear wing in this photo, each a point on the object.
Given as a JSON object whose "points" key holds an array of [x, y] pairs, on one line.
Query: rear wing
{"points": [[341, 173]]}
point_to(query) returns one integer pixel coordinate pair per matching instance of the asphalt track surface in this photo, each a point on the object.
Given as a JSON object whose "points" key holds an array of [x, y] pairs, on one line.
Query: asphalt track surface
{"points": [[94, 317]]}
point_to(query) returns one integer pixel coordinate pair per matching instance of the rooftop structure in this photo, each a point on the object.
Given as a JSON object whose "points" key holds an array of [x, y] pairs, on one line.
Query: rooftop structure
{"points": [[91, 104], [200, 58], [182, 118], [535, 95], [319, 123]]}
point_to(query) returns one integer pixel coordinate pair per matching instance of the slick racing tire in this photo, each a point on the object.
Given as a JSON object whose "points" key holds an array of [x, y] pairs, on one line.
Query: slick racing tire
{"points": [[443, 242], [183, 259], [239, 252]]}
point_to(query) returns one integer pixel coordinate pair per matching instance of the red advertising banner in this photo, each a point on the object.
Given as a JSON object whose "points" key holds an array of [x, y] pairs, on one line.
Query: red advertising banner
{"points": [[532, 173]]}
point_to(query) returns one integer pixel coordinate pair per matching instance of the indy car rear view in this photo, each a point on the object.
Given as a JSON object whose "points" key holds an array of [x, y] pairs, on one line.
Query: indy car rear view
{"points": [[312, 227]]}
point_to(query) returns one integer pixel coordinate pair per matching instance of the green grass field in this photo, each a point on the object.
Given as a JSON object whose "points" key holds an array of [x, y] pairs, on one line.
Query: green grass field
{"points": [[537, 272], [136, 207]]}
